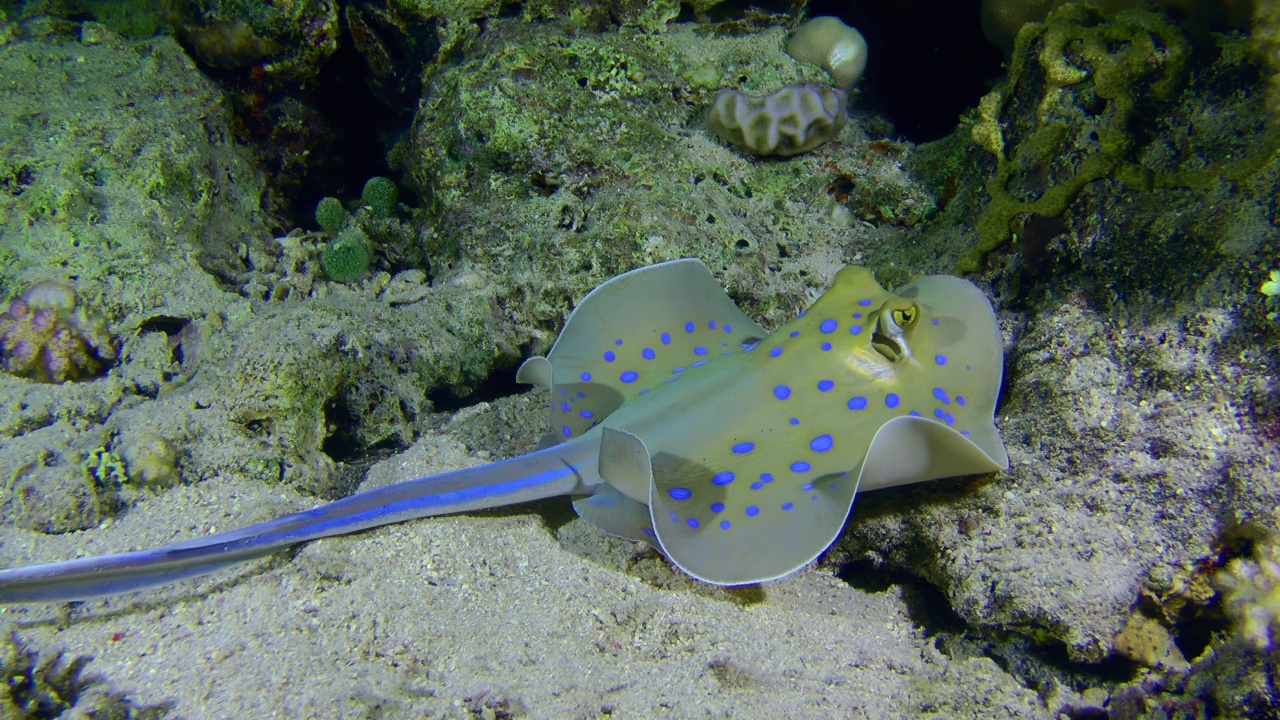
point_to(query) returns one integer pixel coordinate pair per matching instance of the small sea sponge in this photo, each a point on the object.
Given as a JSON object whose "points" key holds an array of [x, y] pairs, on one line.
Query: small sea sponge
{"points": [[381, 195], [789, 122], [150, 460], [347, 256], [829, 43], [330, 214], [48, 336], [1251, 593]]}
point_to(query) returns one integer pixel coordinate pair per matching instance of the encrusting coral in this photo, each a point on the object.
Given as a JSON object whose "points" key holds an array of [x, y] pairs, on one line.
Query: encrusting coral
{"points": [[791, 121], [829, 43], [1251, 593], [47, 335]]}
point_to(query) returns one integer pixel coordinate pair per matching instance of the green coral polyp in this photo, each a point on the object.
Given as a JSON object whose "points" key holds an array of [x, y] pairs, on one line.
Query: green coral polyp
{"points": [[381, 195], [347, 256], [330, 214]]}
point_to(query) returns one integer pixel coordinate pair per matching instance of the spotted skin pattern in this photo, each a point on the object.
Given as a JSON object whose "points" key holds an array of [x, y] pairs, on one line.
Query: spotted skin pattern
{"points": [[757, 442], [678, 421]]}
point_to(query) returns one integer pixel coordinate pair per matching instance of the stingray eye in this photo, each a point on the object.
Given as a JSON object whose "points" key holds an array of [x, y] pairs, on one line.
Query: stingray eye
{"points": [[906, 317]]}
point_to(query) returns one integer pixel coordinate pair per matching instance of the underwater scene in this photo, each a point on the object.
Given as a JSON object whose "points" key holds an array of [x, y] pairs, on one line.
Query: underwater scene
{"points": [[640, 359]]}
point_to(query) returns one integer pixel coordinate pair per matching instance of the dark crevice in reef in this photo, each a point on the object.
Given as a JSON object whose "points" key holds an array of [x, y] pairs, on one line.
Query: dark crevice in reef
{"points": [[1034, 665], [927, 61], [500, 383]]}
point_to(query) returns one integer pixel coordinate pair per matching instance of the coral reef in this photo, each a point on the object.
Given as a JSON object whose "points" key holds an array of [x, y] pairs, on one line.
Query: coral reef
{"points": [[53, 686], [380, 195], [48, 335], [1251, 593], [832, 45], [791, 121], [347, 256], [330, 215]]}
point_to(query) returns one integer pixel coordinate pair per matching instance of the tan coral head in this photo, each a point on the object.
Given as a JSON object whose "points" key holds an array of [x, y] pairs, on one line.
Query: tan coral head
{"points": [[791, 121], [829, 43]]}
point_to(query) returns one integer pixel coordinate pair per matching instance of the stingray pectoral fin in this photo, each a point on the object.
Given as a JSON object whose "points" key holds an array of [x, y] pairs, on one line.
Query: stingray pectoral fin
{"points": [[535, 371], [748, 543], [909, 450], [611, 512], [624, 463]]}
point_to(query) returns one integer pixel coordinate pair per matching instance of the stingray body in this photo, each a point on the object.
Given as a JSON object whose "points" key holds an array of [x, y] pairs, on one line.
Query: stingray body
{"points": [[678, 421]]}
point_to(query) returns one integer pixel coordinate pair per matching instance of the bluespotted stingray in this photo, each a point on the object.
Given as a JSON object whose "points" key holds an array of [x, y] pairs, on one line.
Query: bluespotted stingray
{"points": [[678, 421]]}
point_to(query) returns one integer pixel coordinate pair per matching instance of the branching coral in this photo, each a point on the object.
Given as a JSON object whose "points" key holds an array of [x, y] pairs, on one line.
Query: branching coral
{"points": [[1251, 593], [49, 336]]}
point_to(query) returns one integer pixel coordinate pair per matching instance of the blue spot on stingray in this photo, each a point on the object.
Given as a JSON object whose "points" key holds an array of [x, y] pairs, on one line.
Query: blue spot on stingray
{"points": [[858, 403], [680, 494], [565, 407], [855, 330], [728, 328], [825, 385], [581, 394], [693, 523], [941, 396], [743, 448], [940, 359], [800, 466], [782, 392], [807, 488], [711, 325], [766, 478], [960, 400], [795, 333], [756, 486], [752, 511], [587, 414], [821, 444], [674, 518], [864, 303], [666, 338], [629, 376], [586, 377], [688, 327], [802, 313], [725, 524], [609, 356], [678, 370], [562, 392], [723, 478], [828, 326], [857, 316], [717, 507], [826, 347], [670, 380], [775, 352], [787, 506], [648, 353], [618, 342], [794, 421], [644, 391], [699, 351], [913, 413], [964, 432], [891, 400], [935, 321], [567, 432], [700, 363], [648, 531]]}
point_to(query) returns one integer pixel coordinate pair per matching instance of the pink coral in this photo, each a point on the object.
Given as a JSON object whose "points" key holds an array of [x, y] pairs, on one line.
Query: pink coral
{"points": [[48, 336]]}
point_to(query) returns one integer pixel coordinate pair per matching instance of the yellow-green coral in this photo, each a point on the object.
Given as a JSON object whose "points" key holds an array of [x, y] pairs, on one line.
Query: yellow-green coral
{"points": [[1131, 54], [1251, 593]]}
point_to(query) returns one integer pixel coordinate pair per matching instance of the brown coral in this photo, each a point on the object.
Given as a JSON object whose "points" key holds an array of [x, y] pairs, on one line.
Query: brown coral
{"points": [[48, 336]]}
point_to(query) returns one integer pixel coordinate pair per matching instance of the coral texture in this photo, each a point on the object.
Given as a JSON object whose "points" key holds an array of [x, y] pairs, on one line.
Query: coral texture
{"points": [[48, 336], [348, 256], [832, 45], [791, 121], [1251, 593]]}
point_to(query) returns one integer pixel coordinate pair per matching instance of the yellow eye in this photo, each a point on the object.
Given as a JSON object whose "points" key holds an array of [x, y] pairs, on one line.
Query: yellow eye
{"points": [[906, 317]]}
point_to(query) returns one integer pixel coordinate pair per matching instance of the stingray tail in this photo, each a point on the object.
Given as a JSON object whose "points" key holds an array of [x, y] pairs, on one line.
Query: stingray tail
{"points": [[565, 469]]}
